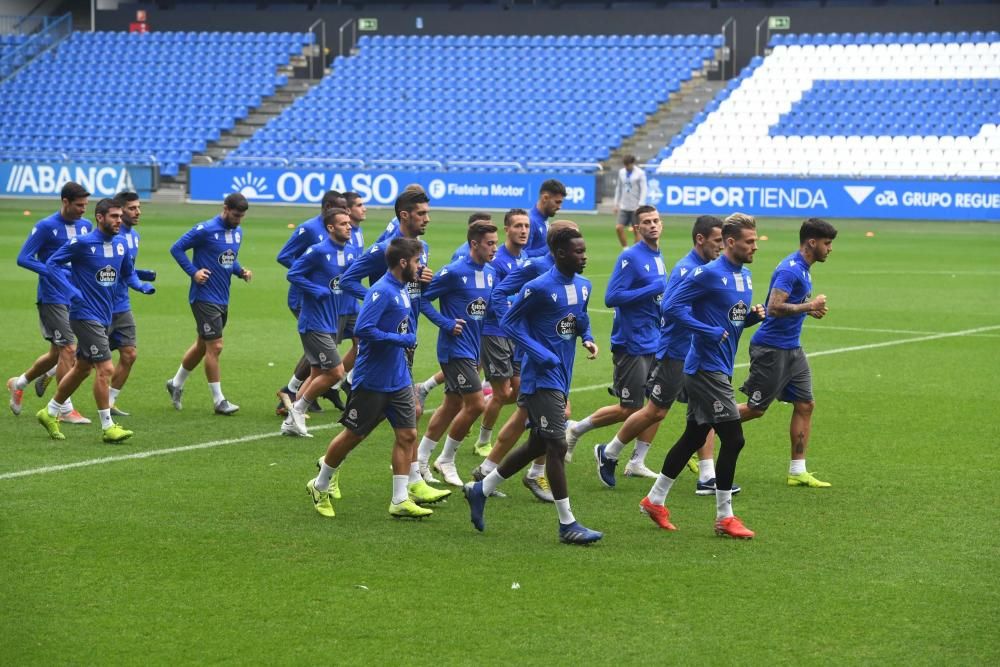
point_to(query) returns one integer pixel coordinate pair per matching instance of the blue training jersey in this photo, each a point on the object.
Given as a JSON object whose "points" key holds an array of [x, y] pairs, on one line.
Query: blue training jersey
{"points": [[713, 299], [391, 231], [548, 315], [383, 328], [122, 302], [504, 263], [45, 238], [317, 275], [792, 277], [216, 248], [347, 304], [98, 262], [635, 291], [675, 339], [307, 234], [537, 246], [463, 292], [507, 289], [461, 252]]}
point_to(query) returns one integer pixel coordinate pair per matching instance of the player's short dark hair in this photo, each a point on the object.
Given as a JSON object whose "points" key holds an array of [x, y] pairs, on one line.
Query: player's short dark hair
{"points": [[628, 159], [124, 197], [645, 208], [734, 225], [104, 206], [330, 198], [409, 199], [330, 215], [704, 225], [236, 202], [511, 213], [73, 191], [560, 238], [400, 248], [816, 228], [480, 216], [479, 229], [553, 187], [351, 197]]}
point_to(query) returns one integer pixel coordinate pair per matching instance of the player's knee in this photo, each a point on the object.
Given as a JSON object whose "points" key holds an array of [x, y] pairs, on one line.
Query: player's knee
{"points": [[406, 438], [555, 448], [335, 374], [127, 356], [804, 408], [475, 403], [213, 347]]}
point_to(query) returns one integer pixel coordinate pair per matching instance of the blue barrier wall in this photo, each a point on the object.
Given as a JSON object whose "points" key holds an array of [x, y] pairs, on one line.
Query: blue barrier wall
{"points": [[37, 179], [834, 198], [380, 188]]}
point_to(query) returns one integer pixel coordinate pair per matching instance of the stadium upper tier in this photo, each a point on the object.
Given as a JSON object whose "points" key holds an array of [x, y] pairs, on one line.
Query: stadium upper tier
{"points": [[139, 97], [432, 101], [920, 104]]}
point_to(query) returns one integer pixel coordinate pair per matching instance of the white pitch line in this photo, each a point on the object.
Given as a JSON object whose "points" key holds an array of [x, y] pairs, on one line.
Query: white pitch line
{"points": [[261, 436]]}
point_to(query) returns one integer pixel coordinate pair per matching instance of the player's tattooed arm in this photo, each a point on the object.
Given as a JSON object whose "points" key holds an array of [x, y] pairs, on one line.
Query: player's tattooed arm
{"points": [[778, 306]]}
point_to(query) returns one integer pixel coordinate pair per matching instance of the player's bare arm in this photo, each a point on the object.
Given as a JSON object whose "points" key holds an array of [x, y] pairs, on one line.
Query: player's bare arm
{"points": [[778, 306]]}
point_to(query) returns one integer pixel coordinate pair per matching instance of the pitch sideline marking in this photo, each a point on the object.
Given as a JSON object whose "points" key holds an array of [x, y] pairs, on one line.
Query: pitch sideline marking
{"points": [[261, 436]]}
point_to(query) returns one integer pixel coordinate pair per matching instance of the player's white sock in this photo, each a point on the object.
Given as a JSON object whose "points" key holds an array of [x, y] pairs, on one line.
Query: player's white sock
{"points": [[21, 382], [399, 491], [639, 453], [350, 376], [487, 466], [565, 513], [105, 416], [796, 466], [294, 384], [613, 449], [491, 482], [425, 449], [55, 408], [52, 371], [326, 473], [180, 377], [414, 473], [450, 449], [429, 383], [113, 395], [537, 470], [301, 405], [661, 487], [706, 470], [216, 388], [723, 503], [485, 435], [67, 406], [338, 383], [582, 426]]}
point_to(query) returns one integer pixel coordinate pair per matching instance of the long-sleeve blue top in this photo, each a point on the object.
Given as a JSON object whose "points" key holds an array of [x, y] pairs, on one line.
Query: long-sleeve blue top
{"points": [[504, 263], [216, 248], [131, 236], [45, 238], [537, 246], [507, 289], [635, 291], [306, 234], [317, 275], [675, 340], [383, 328], [462, 290]]}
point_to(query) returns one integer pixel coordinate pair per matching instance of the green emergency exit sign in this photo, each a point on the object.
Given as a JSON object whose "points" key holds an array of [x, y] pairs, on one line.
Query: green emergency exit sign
{"points": [[779, 22], [368, 25]]}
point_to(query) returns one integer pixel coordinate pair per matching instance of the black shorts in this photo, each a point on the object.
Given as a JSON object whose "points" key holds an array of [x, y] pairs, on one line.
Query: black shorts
{"points": [[93, 345], [366, 409], [53, 319], [210, 319], [320, 349], [122, 331], [546, 410], [630, 376], [777, 374], [345, 327], [461, 377], [498, 355], [710, 398], [666, 381]]}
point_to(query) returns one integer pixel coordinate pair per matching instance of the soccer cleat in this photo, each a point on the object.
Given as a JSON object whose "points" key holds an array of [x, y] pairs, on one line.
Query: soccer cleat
{"points": [[482, 449], [408, 510], [424, 494], [298, 420], [421, 396], [333, 395], [540, 487], [175, 394], [116, 433], [321, 499], [285, 399], [118, 412], [807, 479], [334, 481], [426, 473], [16, 396], [571, 440], [658, 513], [224, 407], [288, 427], [449, 472], [708, 488], [574, 533], [478, 475], [41, 384], [74, 417], [50, 423], [605, 467], [487, 389], [638, 469], [731, 526], [477, 504], [692, 463]]}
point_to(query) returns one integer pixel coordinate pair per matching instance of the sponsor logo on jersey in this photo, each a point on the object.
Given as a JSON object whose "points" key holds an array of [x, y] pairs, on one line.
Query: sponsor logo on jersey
{"points": [[404, 326], [476, 309], [107, 276], [738, 313], [566, 327], [227, 258], [335, 285]]}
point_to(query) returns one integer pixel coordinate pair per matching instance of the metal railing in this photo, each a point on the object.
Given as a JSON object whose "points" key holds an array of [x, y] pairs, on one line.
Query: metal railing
{"points": [[52, 32], [728, 52], [443, 165], [318, 28], [354, 35]]}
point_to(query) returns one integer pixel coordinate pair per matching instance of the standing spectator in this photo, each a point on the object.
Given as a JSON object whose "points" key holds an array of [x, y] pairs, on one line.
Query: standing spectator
{"points": [[630, 194]]}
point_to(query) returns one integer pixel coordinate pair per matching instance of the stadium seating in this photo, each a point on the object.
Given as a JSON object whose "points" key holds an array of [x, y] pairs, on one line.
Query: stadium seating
{"points": [[892, 105], [480, 102], [142, 98]]}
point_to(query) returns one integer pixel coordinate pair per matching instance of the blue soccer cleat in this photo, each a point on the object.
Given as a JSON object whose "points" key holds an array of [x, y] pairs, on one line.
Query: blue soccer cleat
{"points": [[477, 504], [574, 533], [605, 467], [708, 488]]}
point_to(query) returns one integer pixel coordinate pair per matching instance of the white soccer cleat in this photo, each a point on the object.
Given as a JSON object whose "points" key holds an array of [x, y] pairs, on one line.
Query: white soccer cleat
{"points": [[639, 469], [426, 474], [288, 428], [449, 472], [571, 440], [298, 420]]}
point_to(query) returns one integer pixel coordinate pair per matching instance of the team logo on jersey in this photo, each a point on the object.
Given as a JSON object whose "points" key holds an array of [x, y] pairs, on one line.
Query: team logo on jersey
{"points": [[227, 259], [476, 309], [658, 298], [57, 334], [335, 285], [238, 237], [120, 248], [107, 276], [404, 326], [585, 292], [566, 327], [738, 313]]}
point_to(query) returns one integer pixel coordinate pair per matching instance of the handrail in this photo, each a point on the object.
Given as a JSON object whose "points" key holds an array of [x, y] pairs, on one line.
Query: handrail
{"points": [[322, 50], [37, 44], [588, 165], [257, 158], [756, 43], [320, 160], [430, 163], [340, 31], [481, 163], [732, 52]]}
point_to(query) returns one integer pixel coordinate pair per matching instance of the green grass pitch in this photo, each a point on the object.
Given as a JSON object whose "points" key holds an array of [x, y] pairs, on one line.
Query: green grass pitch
{"points": [[214, 554]]}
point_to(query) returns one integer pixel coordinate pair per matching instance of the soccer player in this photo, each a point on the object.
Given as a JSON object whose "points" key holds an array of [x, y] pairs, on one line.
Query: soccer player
{"points": [[545, 321], [392, 229], [630, 194], [778, 366], [463, 292], [317, 275], [550, 199], [216, 245], [46, 237], [306, 234], [713, 303], [122, 334], [667, 379], [97, 261], [382, 387], [635, 291]]}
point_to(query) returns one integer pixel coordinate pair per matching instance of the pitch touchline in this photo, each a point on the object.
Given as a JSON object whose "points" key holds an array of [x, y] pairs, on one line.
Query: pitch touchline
{"points": [[261, 436]]}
